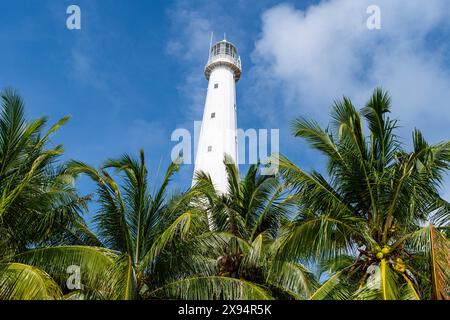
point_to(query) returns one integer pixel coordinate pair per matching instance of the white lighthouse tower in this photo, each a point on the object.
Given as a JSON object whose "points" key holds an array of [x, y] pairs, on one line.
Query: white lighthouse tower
{"points": [[218, 131]]}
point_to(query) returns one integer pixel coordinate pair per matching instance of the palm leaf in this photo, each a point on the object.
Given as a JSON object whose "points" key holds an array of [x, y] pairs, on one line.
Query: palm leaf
{"points": [[94, 264], [212, 288], [293, 278], [440, 262], [24, 282], [330, 289]]}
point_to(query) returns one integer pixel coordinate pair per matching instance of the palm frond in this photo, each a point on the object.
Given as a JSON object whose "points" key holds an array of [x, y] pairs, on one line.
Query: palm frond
{"points": [[330, 289], [24, 282], [440, 262], [212, 288], [293, 278], [94, 264]]}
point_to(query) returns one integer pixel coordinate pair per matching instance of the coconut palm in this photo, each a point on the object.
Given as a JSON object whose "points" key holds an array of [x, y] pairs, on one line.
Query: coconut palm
{"points": [[130, 219], [38, 202], [244, 223], [38, 205], [366, 221]]}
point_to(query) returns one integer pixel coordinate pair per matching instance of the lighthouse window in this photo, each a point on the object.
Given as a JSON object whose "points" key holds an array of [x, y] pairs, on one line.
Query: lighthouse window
{"points": [[209, 148], [213, 115], [216, 85]]}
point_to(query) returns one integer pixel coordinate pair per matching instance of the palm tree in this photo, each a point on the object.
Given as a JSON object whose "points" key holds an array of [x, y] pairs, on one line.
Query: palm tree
{"points": [[366, 224], [38, 201], [38, 205], [244, 223], [130, 219]]}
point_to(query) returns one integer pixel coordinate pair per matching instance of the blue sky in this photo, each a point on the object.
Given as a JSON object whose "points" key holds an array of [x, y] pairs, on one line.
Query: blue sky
{"points": [[134, 72]]}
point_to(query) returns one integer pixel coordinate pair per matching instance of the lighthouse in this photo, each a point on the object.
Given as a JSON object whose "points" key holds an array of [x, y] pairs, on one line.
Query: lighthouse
{"points": [[218, 133]]}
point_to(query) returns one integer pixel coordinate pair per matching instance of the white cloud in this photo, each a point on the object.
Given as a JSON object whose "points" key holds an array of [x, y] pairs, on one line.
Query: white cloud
{"points": [[192, 38], [315, 56]]}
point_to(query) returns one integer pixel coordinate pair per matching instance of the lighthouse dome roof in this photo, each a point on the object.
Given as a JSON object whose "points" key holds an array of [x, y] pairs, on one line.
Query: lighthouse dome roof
{"points": [[224, 53]]}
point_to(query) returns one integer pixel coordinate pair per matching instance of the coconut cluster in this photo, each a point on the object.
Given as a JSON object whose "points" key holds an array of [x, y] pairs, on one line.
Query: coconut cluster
{"points": [[381, 253]]}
